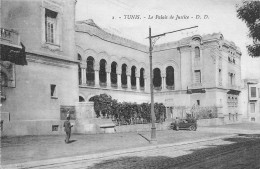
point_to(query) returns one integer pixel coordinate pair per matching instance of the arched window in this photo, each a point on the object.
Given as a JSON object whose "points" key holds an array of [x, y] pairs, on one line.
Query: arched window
{"points": [[169, 76], [102, 71], [124, 76], [79, 74], [133, 78], [79, 57], [157, 79], [142, 78], [197, 52], [90, 71], [79, 70], [81, 99], [113, 74]]}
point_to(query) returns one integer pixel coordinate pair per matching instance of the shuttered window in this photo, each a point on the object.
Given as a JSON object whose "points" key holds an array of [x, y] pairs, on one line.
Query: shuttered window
{"points": [[253, 91], [50, 25], [252, 107], [197, 76]]}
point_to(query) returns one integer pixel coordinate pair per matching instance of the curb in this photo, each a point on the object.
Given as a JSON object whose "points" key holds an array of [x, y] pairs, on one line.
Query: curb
{"points": [[75, 159], [230, 130]]}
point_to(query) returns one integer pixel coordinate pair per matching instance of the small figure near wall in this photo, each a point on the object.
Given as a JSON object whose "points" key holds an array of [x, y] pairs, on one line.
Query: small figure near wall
{"points": [[67, 128]]}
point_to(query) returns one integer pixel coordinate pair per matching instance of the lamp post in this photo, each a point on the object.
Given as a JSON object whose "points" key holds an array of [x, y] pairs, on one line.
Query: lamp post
{"points": [[153, 129], [151, 44]]}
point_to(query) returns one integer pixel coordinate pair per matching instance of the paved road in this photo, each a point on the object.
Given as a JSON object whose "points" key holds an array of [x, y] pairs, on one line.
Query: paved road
{"points": [[132, 150], [34, 148], [241, 151]]}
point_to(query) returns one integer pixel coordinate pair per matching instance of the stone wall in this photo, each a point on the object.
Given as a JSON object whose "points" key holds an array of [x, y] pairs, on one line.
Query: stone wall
{"points": [[141, 127]]}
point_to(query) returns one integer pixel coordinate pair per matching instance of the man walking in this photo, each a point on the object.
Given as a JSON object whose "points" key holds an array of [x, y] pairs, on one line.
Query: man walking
{"points": [[67, 128]]}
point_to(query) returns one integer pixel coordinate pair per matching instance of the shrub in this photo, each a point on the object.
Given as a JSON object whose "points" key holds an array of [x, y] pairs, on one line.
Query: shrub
{"points": [[205, 112], [126, 113]]}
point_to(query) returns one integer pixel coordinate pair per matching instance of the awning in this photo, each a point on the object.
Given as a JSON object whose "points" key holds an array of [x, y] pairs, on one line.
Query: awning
{"points": [[235, 92], [190, 91], [14, 55]]}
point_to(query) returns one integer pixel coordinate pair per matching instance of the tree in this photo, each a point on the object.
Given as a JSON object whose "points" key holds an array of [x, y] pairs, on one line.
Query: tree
{"points": [[102, 104], [249, 12]]}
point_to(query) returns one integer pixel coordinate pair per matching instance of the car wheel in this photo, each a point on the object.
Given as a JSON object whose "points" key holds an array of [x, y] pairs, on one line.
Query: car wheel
{"points": [[192, 128]]}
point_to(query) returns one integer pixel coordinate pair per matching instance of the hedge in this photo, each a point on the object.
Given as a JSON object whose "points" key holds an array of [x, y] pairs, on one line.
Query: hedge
{"points": [[125, 112]]}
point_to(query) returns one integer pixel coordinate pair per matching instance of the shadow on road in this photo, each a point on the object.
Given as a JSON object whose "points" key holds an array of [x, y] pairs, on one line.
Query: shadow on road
{"points": [[144, 137], [241, 152], [71, 141]]}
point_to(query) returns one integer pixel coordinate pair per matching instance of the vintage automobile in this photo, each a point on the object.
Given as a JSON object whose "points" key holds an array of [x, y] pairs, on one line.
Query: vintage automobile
{"points": [[190, 124]]}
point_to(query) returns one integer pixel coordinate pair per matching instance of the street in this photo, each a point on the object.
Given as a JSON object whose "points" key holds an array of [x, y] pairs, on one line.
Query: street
{"points": [[237, 152], [241, 151], [35, 148], [230, 146]]}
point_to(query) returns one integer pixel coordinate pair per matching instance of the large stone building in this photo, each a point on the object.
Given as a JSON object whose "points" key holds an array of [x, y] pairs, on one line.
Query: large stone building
{"points": [[198, 70], [70, 62]]}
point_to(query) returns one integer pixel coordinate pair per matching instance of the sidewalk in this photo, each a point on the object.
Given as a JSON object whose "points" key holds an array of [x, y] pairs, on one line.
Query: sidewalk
{"points": [[42, 149], [247, 128]]}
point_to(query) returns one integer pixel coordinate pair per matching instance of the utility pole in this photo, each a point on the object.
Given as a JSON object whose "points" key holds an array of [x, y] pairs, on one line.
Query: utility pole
{"points": [[151, 44], [153, 129]]}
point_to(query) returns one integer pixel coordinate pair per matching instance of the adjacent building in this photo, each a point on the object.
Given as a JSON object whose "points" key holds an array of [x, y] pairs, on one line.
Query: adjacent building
{"points": [[250, 102], [33, 95]]}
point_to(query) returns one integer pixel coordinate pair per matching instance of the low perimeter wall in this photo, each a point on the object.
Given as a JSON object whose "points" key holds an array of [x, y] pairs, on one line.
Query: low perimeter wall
{"points": [[165, 125], [34, 127], [141, 127], [211, 122]]}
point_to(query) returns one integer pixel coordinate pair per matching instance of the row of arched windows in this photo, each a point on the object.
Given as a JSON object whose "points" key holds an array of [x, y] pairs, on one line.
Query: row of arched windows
{"points": [[103, 75], [90, 73], [157, 80]]}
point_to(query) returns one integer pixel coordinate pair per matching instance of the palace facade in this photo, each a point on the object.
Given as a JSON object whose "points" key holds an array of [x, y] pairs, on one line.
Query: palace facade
{"points": [[198, 70]]}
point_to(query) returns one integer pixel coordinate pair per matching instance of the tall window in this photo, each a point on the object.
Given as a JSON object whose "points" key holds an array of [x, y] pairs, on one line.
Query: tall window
{"points": [[50, 25], [113, 74], [53, 91], [79, 74], [90, 74], [253, 91], [169, 76], [157, 79], [142, 77], [133, 78], [231, 78], [79, 70], [252, 107], [123, 75], [197, 76], [197, 52], [259, 93], [220, 76], [102, 71]]}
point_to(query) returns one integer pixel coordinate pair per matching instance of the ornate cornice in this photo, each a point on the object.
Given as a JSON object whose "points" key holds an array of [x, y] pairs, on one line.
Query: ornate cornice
{"points": [[89, 28]]}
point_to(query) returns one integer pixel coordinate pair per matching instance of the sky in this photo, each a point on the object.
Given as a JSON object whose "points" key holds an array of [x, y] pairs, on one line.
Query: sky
{"points": [[130, 19]]}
